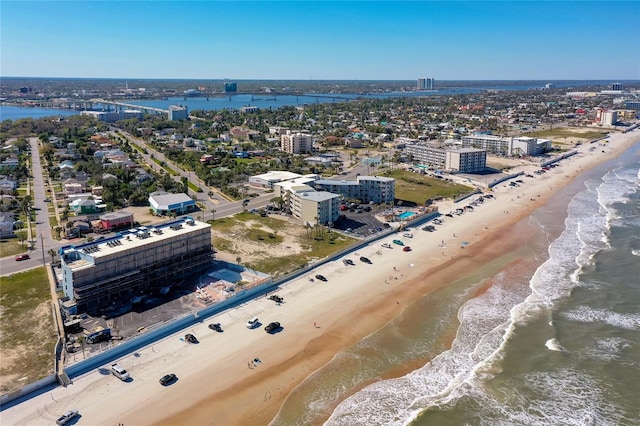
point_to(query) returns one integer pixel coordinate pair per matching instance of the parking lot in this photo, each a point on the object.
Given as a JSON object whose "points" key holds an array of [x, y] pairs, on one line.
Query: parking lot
{"points": [[358, 221]]}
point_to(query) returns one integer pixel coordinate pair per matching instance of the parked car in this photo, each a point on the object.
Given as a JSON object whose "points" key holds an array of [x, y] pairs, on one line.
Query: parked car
{"points": [[272, 327], [406, 248], [365, 259], [276, 298], [119, 371], [191, 338], [348, 262], [253, 322], [47, 200], [398, 242], [386, 245], [67, 417], [321, 278], [216, 327], [429, 228], [22, 257], [168, 379]]}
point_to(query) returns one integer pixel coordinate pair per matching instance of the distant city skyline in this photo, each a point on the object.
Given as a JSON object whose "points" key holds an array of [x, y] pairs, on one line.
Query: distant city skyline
{"points": [[307, 40]]}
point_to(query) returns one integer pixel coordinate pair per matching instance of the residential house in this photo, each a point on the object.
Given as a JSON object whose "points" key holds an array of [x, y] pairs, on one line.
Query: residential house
{"points": [[6, 225]]}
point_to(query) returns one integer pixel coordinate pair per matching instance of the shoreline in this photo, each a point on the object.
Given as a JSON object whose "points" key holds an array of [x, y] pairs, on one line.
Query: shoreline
{"points": [[217, 366]]}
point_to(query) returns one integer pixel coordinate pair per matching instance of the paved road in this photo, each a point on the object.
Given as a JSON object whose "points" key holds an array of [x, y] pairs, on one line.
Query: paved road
{"points": [[41, 238]]}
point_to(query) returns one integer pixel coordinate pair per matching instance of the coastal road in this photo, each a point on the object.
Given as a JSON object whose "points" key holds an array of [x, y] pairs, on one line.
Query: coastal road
{"points": [[217, 201], [41, 238]]}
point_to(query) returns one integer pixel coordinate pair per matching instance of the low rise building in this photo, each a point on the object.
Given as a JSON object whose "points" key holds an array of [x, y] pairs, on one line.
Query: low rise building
{"points": [[267, 180], [133, 262], [116, 220], [164, 203]]}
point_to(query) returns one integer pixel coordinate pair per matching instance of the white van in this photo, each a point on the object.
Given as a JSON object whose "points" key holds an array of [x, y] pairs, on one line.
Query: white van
{"points": [[119, 371], [253, 323]]}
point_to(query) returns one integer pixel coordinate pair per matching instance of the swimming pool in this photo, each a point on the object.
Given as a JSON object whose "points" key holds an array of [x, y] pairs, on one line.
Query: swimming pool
{"points": [[406, 215]]}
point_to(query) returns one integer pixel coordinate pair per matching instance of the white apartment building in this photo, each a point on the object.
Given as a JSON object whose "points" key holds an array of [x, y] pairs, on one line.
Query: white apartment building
{"points": [[465, 160], [490, 143], [525, 145], [377, 189], [296, 143], [269, 179], [497, 145]]}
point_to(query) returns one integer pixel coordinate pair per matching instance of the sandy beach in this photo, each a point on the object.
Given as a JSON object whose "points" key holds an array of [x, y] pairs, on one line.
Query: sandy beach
{"points": [[217, 381]]}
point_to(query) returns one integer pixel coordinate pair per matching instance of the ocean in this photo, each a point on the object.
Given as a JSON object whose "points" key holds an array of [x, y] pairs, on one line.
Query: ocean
{"points": [[554, 339]]}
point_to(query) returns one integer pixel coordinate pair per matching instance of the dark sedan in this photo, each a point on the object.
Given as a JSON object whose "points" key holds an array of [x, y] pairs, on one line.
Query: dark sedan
{"points": [[168, 379], [321, 278], [272, 327]]}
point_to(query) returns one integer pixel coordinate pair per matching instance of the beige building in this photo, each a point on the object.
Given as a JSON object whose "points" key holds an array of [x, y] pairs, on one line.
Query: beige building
{"points": [[313, 207], [306, 204], [466, 160], [296, 143]]}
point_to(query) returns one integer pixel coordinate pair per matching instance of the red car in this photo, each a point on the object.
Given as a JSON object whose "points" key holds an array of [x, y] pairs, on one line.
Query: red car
{"points": [[406, 248], [22, 257]]}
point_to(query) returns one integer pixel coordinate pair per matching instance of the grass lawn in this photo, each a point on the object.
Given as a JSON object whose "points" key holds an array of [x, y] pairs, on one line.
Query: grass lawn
{"points": [[316, 248], [267, 244], [194, 187], [567, 133], [420, 188], [27, 332], [226, 223], [11, 246], [53, 221], [165, 167]]}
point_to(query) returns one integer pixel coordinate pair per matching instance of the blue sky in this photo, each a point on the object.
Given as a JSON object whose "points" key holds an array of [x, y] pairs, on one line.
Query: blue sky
{"points": [[380, 40]]}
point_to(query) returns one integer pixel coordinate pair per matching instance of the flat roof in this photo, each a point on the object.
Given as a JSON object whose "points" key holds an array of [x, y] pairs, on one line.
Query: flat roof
{"points": [[318, 196], [131, 239], [278, 175], [116, 215], [336, 182], [167, 200]]}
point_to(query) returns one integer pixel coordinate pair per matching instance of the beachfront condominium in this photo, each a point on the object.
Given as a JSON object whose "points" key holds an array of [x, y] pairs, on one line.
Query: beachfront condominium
{"points": [[376, 189], [463, 160], [506, 146], [312, 207], [133, 262], [296, 143], [305, 204]]}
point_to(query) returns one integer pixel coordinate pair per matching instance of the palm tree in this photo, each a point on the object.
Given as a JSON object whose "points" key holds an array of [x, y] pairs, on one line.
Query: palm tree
{"points": [[213, 214], [238, 260], [53, 254]]}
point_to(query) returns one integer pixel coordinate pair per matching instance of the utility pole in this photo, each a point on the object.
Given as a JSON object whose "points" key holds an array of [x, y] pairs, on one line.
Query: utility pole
{"points": [[42, 245]]}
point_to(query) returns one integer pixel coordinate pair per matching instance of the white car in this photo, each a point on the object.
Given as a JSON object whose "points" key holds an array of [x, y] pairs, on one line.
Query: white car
{"points": [[253, 323], [67, 417], [119, 371]]}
